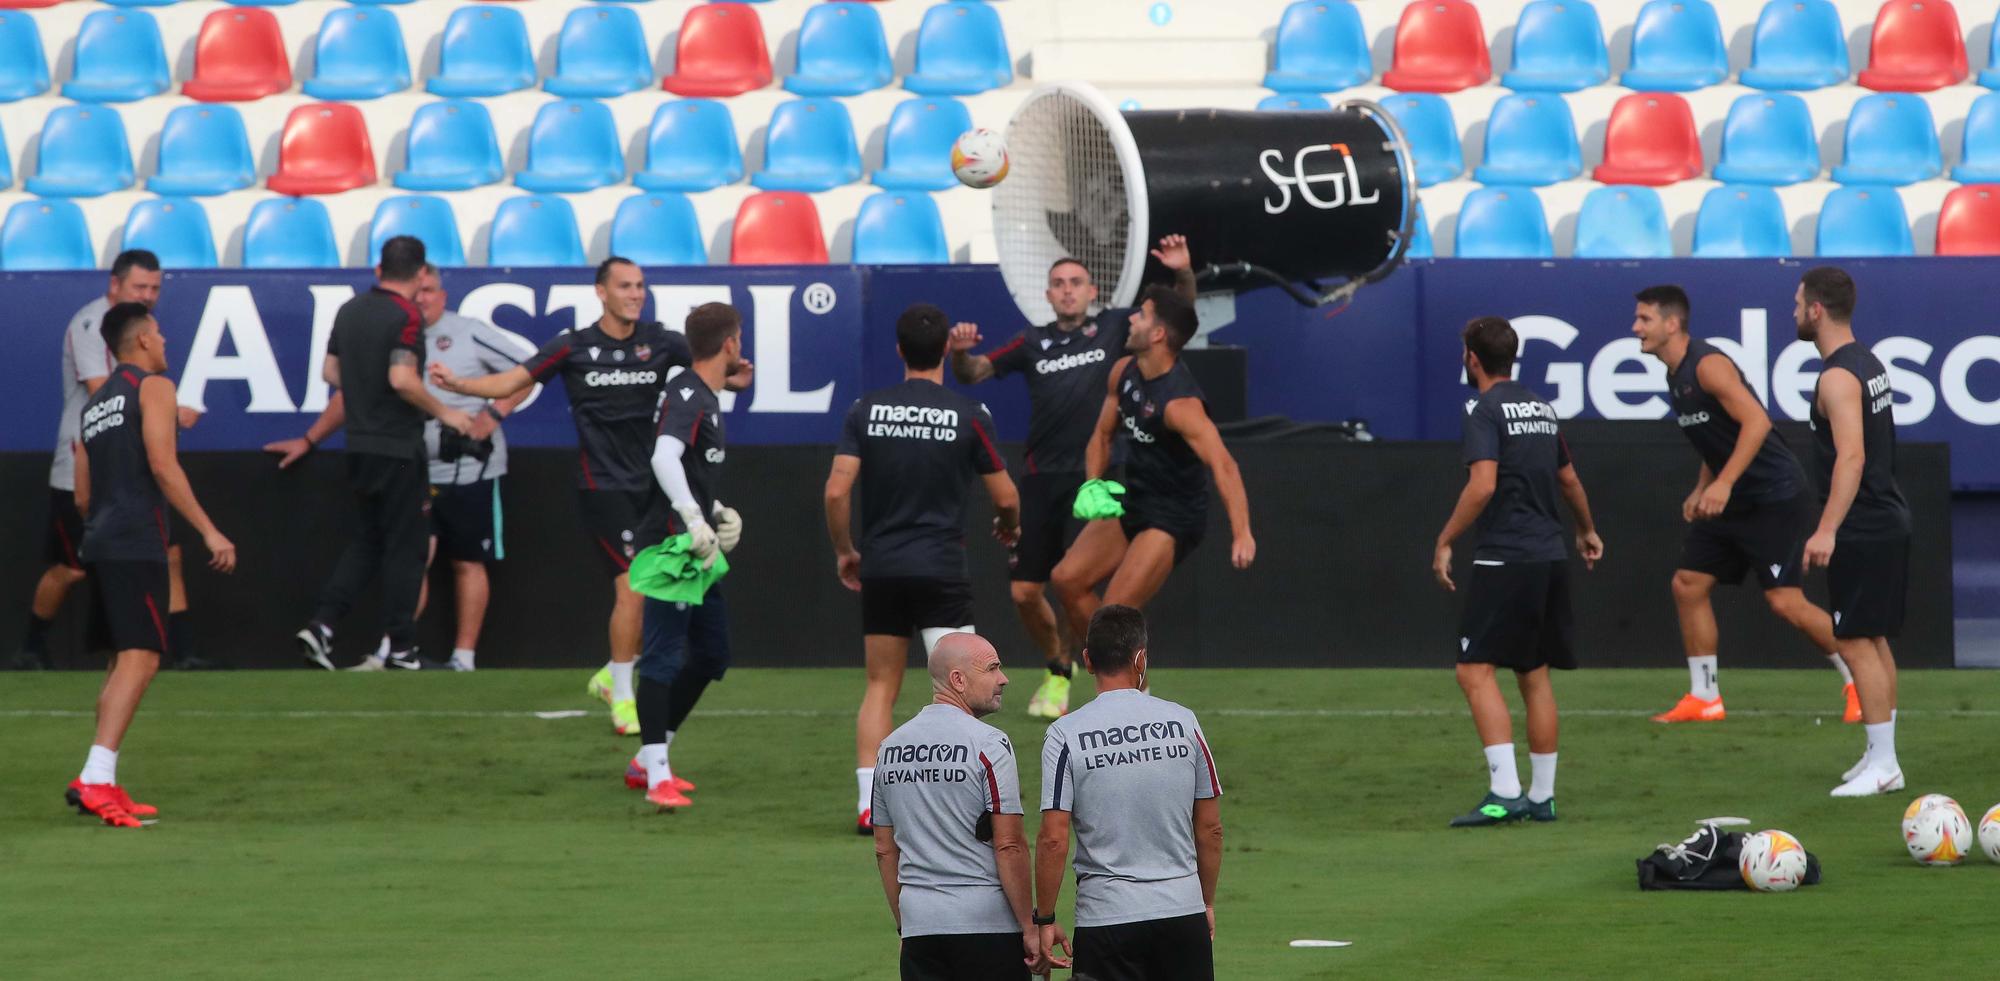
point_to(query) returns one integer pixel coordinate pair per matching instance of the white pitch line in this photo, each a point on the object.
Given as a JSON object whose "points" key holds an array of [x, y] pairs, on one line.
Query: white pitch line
{"points": [[769, 713]]}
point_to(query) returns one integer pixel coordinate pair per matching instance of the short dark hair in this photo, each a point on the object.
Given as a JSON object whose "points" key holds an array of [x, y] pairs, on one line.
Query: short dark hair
{"points": [[921, 333], [1068, 261], [710, 326], [134, 258], [1173, 310], [121, 324], [604, 268], [1116, 636], [402, 259], [1492, 342], [1671, 299], [1832, 288]]}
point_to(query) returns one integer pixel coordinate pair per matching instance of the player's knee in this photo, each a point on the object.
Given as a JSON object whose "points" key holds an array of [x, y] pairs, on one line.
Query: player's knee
{"points": [[1473, 677], [1688, 586], [1788, 604], [1068, 581], [1026, 594]]}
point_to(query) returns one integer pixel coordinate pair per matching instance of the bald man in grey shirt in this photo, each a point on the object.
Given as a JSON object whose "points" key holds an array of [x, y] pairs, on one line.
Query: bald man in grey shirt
{"points": [[946, 808], [1133, 774]]}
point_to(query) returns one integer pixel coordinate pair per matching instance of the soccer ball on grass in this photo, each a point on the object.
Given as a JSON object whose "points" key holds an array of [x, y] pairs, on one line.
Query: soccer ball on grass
{"points": [[1936, 831], [1772, 861]]}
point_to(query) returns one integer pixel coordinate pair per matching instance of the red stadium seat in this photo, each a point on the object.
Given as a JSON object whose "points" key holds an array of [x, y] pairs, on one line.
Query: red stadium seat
{"points": [[1916, 47], [1440, 47], [777, 227], [721, 52], [26, 4], [1649, 140], [1969, 221], [238, 57], [325, 150]]}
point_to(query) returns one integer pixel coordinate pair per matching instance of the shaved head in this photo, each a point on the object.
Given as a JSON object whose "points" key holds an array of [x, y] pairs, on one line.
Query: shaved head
{"points": [[965, 671]]}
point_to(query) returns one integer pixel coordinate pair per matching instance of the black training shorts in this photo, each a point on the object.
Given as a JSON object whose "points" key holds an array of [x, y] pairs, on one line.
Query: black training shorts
{"points": [[65, 530], [131, 605], [1768, 539], [1173, 949], [1048, 525], [621, 523], [899, 606], [964, 957], [1187, 527], [1868, 581], [465, 520], [1517, 616]]}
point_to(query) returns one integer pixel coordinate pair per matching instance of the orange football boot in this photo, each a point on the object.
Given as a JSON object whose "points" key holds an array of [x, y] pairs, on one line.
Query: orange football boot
{"points": [[1692, 709]]}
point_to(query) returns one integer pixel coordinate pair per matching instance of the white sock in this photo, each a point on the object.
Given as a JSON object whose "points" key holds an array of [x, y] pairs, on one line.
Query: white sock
{"points": [[621, 680], [1701, 678], [382, 650], [1882, 745], [464, 655], [1503, 776], [864, 778], [1542, 776], [1846, 676], [101, 766], [653, 756]]}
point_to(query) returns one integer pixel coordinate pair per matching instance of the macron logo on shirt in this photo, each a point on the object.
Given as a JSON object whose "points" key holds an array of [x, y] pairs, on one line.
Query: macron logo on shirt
{"points": [[913, 422]]}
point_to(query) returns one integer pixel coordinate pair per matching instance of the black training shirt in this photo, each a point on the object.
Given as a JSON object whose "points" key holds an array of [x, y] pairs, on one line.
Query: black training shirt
{"points": [[920, 445], [1774, 473], [367, 330], [1512, 425], [1163, 476], [614, 391], [1879, 510], [689, 412], [1066, 371], [128, 520]]}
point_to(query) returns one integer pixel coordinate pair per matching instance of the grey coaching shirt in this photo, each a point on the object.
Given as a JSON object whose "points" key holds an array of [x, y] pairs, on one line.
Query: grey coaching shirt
{"points": [[470, 348], [934, 778], [1128, 768], [83, 357]]}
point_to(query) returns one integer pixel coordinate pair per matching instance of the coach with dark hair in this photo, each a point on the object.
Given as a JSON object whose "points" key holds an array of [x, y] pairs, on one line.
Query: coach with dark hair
{"points": [[375, 357]]}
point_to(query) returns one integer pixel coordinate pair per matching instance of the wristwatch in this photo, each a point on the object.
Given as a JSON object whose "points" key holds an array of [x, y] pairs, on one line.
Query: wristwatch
{"points": [[1041, 920]]}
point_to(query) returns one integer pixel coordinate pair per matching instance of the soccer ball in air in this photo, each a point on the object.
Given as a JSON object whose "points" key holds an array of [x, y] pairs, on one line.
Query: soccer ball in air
{"points": [[1772, 861], [1936, 830], [1989, 833], [979, 158]]}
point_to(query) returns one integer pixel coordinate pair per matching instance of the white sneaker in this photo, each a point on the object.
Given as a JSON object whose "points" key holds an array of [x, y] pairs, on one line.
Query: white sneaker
{"points": [[1855, 770], [1871, 781], [461, 663], [369, 663]]}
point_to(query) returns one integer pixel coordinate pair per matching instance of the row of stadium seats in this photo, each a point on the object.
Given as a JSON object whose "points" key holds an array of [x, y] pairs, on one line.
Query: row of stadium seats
{"points": [[1735, 221], [1676, 46], [1650, 138], [573, 145], [531, 230], [601, 50]]}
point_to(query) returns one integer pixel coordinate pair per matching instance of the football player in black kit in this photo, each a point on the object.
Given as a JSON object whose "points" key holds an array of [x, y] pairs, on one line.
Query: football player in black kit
{"points": [[1748, 513], [1174, 447], [1863, 537], [613, 372], [915, 448], [1065, 363], [127, 472]]}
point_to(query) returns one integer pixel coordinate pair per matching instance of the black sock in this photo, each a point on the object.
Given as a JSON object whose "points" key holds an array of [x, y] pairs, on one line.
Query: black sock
{"points": [[180, 637], [655, 702], [1060, 669], [686, 691], [37, 640]]}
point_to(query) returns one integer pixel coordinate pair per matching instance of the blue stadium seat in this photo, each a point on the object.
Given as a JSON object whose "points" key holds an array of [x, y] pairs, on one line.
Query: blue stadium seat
{"points": [[534, 230], [1622, 221], [898, 227], [1768, 139], [426, 216], [1890, 140], [119, 58], [1799, 45], [1677, 46], [916, 147], [1420, 237], [1979, 156], [358, 55], [691, 146], [658, 229], [572, 146], [1558, 47], [1432, 134], [484, 51], [45, 235], [451, 147], [203, 150], [1321, 47], [24, 69], [809, 146], [289, 233], [1503, 223], [175, 229], [1863, 221], [1741, 221], [600, 52], [83, 154], [1530, 139], [6, 163], [961, 50], [1293, 102], [841, 51], [1990, 75]]}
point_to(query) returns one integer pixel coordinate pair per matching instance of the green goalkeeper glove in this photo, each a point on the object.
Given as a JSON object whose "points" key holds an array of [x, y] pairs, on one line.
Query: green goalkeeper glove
{"points": [[1098, 499]]}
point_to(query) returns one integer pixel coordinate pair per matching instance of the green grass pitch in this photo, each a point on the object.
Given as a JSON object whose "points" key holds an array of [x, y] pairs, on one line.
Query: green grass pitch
{"points": [[386, 826]]}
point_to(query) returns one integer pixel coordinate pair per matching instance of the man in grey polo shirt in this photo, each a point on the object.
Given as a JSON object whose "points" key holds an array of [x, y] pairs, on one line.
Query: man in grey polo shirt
{"points": [[1135, 776], [946, 806]]}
